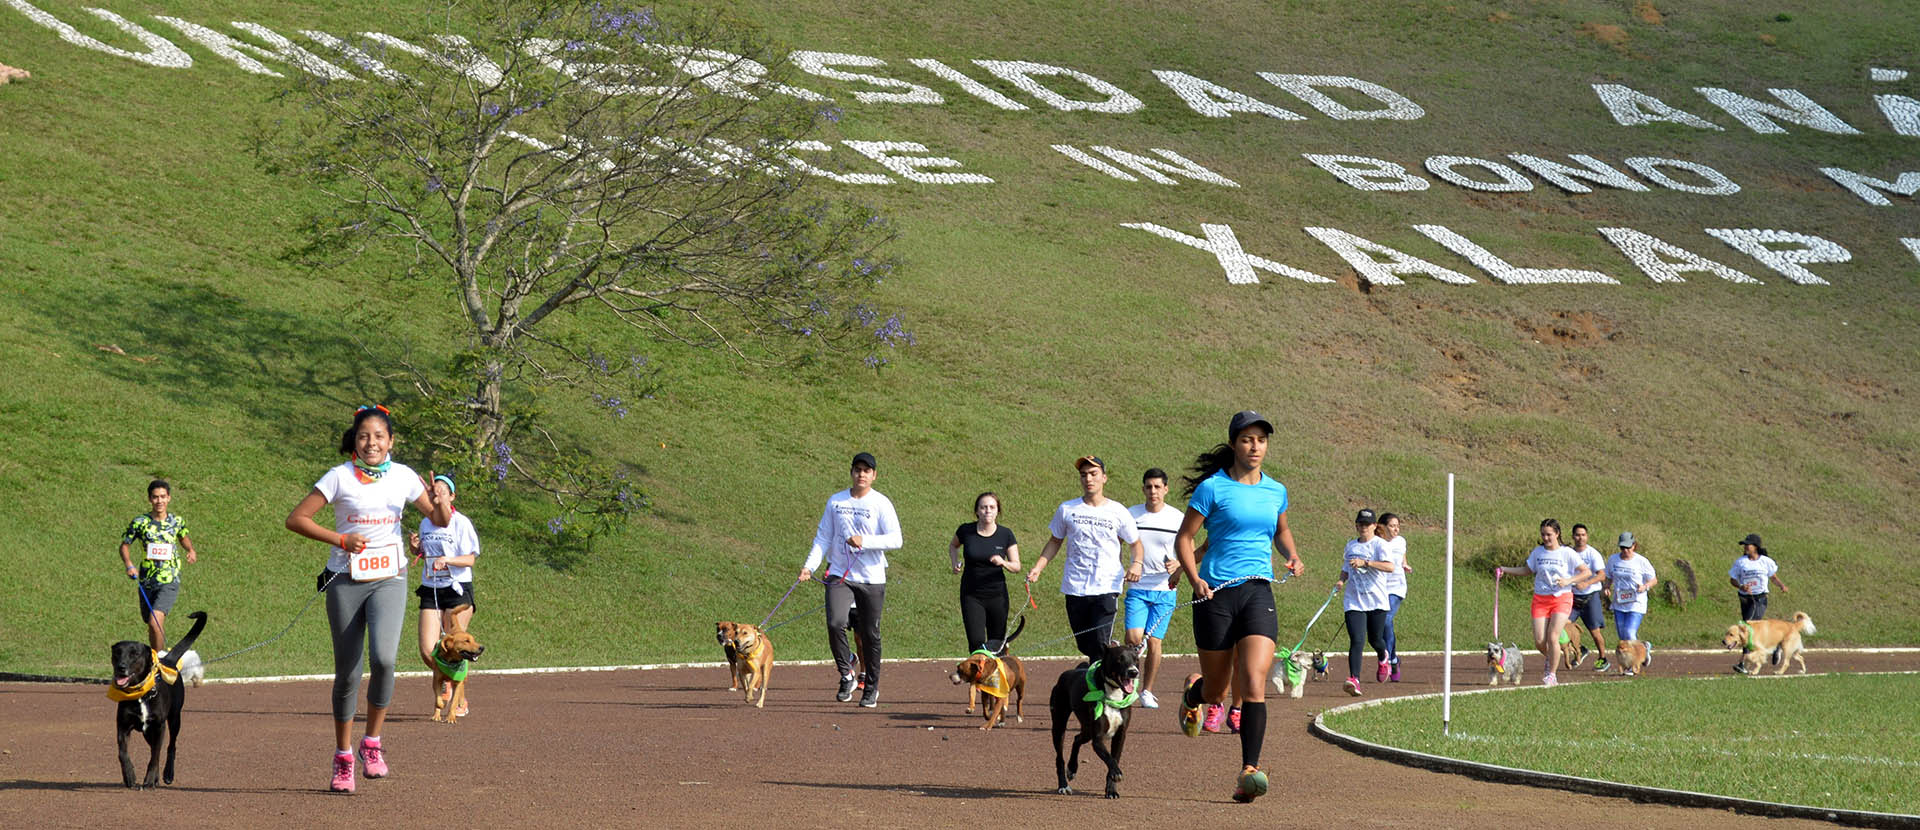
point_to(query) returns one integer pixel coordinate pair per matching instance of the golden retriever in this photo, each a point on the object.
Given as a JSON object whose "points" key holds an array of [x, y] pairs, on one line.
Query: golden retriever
{"points": [[1759, 638]]}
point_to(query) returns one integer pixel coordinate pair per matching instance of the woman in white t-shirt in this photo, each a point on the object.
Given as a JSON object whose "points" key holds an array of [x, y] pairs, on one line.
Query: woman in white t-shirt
{"points": [[1554, 568], [1631, 577], [1751, 572], [1363, 573], [446, 576], [1389, 532], [366, 591]]}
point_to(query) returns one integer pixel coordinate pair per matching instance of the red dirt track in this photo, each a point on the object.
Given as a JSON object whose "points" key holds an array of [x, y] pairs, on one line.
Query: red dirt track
{"points": [[673, 748]]}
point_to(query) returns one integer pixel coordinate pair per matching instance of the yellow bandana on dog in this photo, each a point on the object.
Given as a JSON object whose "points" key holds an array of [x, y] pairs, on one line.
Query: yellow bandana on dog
{"points": [[160, 670], [995, 683]]}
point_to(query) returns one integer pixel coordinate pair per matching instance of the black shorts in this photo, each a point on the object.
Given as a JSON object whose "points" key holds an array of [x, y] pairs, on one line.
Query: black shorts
{"points": [[1586, 609], [445, 599], [1235, 612]]}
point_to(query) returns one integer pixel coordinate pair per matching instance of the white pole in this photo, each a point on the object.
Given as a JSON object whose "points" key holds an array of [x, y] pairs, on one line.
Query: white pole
{"points": [[1446, 648]]}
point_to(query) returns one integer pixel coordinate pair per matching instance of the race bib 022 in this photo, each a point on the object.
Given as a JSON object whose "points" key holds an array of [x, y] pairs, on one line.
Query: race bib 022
{"points": [[159, 551], [375, 563]]}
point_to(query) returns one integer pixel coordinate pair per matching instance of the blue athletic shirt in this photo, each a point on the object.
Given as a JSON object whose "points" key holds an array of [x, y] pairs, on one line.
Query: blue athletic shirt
{"points": [[1241, 521]]}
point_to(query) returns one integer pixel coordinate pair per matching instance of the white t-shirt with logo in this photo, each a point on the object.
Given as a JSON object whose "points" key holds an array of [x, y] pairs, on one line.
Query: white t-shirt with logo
{"points": [[1627, 575], [1551, 566], [1092, 540], [436, 542], [1594, 562], [1156, 538], [869, 517], [374, 509], [1366, 587], [1751, 574], [1396, 578]]}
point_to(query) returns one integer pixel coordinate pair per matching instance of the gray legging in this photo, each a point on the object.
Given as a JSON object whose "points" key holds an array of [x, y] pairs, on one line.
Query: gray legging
{"points": [[369, 613]]}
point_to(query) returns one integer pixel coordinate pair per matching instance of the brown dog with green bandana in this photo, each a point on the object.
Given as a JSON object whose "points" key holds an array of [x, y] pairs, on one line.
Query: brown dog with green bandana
{"points": [[449, 664]]}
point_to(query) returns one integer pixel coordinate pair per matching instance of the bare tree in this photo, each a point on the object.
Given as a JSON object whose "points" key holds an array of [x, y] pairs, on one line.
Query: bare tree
{"points": [[570, 155]]}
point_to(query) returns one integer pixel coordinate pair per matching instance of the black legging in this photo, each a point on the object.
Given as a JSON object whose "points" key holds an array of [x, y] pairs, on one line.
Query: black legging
{"points": [[983, 610], [1375, 623]]}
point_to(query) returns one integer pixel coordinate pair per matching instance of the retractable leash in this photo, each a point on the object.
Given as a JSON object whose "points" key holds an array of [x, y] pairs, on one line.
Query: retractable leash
{"points": [[332, 575], [1222, 586]]}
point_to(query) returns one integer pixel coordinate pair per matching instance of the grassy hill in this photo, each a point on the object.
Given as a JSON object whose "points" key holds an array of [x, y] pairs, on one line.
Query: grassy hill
{"points": [[1689, 413]]}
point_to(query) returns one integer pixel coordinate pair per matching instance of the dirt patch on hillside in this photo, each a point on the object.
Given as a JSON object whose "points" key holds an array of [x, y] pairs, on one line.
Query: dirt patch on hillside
{"points": [[1606, 33], [1648, 14], [1570, 328]]}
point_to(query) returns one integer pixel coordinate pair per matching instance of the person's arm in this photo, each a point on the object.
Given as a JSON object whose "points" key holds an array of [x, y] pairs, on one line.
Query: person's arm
{"points": [[1579, 574], [1512, 570], [1011, 562], [1593, 577], [193, 556], [1776, 581], [301, 522], [886, 532], [1138, 568], [1283, 539], [1046, 555], [953, 552], [126, 557], [1183, 549], [822, 537], [441, 514]]}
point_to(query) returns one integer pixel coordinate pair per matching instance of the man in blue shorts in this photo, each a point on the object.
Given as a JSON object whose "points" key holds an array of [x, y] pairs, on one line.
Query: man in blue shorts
{"points": [[1154, 574]]}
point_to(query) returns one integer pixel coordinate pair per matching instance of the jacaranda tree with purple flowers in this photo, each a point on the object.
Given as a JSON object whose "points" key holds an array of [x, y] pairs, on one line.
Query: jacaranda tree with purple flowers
{"points": [[556, 155]]}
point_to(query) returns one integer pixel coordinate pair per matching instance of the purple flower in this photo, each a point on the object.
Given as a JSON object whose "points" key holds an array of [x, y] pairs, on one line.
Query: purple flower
{"points": [[832, 113], [503, 456], [490, 108], [555, 525], [434, 184]]}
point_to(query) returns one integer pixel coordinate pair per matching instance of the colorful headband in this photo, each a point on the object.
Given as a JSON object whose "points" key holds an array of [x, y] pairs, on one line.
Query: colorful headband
{"points": [[364, 407], [449, 480]]}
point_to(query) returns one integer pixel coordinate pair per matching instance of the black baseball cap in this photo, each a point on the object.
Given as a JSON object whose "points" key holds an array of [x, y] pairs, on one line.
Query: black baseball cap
{"points": [[1246, 418], [866, 458], [1752, 539], [1364, 517]]}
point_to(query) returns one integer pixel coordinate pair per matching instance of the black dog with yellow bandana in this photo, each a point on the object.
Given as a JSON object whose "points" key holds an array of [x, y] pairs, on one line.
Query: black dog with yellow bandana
{"points": [[151, 696]]}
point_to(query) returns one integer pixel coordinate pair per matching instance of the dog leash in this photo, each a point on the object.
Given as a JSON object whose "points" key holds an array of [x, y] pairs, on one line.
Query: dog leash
{"points": [[1316, 618], [776, 606], [283, 632], [1109, 626]]}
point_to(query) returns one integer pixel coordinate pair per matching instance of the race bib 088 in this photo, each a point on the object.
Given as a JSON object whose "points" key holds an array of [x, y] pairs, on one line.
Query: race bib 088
{"points": [[374, 563], [159, 551]]}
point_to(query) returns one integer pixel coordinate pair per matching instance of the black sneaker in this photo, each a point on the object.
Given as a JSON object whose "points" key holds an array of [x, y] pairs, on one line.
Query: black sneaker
{"points": [[871, 697], [846, 689], [1739, 668], [1583, 656]]}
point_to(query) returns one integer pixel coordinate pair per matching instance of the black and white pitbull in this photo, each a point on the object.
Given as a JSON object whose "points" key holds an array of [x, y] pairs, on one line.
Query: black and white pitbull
{"points": [[1100, 697], [149, 702]]}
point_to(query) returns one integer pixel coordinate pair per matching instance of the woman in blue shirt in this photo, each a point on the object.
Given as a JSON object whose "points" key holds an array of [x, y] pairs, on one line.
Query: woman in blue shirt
{"points": [[1234, 625]]}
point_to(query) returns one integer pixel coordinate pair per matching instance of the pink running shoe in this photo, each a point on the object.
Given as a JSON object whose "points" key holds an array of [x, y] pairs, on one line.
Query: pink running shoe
{"points": [[373, 763], [1233, 720], [1215, 714], [342, 773], [1353, 686], [1381, 675], [1549, 680], [1395, 676]]}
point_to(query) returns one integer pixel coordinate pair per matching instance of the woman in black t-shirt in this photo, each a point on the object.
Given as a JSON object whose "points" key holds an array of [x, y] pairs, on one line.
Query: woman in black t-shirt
{"points": [[982, 553]]}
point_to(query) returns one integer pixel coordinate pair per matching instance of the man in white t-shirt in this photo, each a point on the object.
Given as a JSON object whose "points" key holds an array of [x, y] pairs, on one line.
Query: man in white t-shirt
{"points": [[855, 532], [1588, 598], [1093, 528], [1151, 598]]}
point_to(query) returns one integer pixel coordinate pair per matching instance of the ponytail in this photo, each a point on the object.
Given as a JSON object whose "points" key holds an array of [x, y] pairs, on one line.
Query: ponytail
{"points": [[1205, 465]]}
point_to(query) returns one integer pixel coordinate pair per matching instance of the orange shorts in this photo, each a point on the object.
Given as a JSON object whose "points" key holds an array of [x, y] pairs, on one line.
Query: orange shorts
{"points": [[1547, 606]]}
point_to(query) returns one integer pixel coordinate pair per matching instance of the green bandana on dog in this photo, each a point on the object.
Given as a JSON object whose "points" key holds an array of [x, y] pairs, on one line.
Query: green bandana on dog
{"points": [[1099, 698]]}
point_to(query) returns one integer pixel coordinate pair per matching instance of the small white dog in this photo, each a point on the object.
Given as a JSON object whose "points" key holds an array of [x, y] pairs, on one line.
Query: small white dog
{"points": [[1291, 677], [1504, 662], [192, 669]]}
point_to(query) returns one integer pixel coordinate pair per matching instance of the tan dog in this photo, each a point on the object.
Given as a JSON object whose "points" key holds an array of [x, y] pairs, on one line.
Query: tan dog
{"points": [[1630, 657], [725, 632], [999, 678], [449, 664], [754, 665], [1760, 638]]}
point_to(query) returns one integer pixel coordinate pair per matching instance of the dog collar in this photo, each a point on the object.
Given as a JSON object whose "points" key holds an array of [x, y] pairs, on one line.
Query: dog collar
{"points": [[454, 671], [159, 671], [1099, 698], [1747, 627]]}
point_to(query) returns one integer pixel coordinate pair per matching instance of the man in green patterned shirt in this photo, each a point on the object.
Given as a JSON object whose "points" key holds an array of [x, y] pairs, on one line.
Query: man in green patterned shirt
{"points": [[155, 536]]}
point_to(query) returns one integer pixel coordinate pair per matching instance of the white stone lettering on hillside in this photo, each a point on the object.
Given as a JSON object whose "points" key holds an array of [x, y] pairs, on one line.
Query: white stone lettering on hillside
{"points": [[1655, 169], [786, 155], [822, 63], [1761, 117], [1215, 101], [1663, 261], [1153, 168], [456, 54], [969, 85], [1876, 73], [1094, 162], [1506, 272], [1446, 168], [1868, 188], [1913, 246], [1567, 177], [1022, 74], [1632, 108], [160, 51], [727, 73], [1369, 174], [1359, 252], [238, 51], [358, 56], [598, 78], [1757, 243], [909, 166], [1225, 247], [1398, 107], [1902, 113]]}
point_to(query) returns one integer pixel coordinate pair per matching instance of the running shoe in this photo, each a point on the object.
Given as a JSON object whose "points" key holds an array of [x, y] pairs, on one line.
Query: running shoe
{"points": [[1215, 715], [1380, 673], [1353, 686], [846, 689], [871, 697], [1395, 676], [1739, 668], [372, 762], [342, 773], [1629, 672], [1189, 715], [1583, 656], [462, 711], [1549, 680], [1148, 701], [1251, 785], [1601, 664], [1233, 720]]}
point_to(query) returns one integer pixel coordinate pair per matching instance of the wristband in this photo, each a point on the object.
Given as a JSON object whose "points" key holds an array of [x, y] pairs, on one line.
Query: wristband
{"points": [[342, 545]]}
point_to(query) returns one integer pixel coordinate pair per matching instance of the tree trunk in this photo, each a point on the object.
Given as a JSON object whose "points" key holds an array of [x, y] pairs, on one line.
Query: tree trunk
{"points": [[490, 422]]}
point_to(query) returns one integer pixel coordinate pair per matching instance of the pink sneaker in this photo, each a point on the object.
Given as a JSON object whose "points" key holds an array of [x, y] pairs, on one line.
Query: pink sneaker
{"points": [[342, 773], [1395, 676], [1381, 675], [1215, 714], [1233, 720], [373, 763], [1353, 686], [1549, 680]]}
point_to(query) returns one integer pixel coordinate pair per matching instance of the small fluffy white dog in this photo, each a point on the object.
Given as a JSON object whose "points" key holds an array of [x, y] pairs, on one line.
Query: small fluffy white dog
{"points": [[1291, 677]]}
